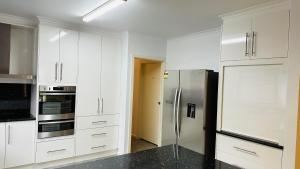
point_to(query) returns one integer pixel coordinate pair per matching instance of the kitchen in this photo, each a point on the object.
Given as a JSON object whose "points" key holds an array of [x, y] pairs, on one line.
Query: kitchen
{"points": [[67, 82]]}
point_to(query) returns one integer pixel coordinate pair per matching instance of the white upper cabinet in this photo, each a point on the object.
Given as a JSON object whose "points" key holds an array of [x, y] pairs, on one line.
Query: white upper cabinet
{"points": [[257, 34], [2, 144], [235, 35], [68, 56], [48, 60], [111, 76], [58, 56], [20, 144], [88, 93], [254, 100], [271, 35]]}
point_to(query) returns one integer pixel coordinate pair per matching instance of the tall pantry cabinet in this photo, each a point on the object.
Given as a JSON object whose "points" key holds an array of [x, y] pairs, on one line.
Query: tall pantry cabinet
{"points": [[99, 90], [253, 85]]}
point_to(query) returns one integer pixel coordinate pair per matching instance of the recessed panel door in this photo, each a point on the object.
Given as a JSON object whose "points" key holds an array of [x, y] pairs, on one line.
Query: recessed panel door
{"points": [[254, 100], [150, 108]]}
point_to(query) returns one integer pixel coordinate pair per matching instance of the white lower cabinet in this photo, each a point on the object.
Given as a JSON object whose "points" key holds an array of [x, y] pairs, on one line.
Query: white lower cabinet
{"points": [[55, 150], [2, 144], [96, 140], [245, 154], [20, 138]]}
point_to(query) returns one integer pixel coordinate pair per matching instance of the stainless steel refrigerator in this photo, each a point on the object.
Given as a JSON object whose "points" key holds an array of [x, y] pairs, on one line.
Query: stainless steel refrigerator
{"points": [[190, 110]]}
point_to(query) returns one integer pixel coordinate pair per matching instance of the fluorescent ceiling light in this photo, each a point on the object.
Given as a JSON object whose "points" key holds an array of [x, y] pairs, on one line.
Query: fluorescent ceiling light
{"points": [[107, 6], [59, 35]]}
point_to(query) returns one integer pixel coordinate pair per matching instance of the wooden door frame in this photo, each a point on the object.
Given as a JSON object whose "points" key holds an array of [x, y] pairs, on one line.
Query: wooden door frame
{"points": [[129, 120]]}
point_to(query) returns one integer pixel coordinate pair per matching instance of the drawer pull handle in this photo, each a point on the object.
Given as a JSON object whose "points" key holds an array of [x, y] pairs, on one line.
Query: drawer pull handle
{"points": [[97, 122], [103, 146], [101, 134], [245, 151], [56, 151]]}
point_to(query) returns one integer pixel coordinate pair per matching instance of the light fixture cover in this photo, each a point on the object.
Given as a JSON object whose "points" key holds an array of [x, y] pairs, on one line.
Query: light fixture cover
{"points": [[107, 6]]}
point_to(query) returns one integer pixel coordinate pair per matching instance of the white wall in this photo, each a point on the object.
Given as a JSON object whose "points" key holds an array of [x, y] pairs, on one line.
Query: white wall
{"points": [[147, 46], [196, 51], [293, 87], [135, 44]]}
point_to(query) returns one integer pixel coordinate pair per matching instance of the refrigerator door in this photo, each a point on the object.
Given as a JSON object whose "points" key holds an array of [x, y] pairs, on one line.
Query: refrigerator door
{"points": [[171, 85], [192, 101]]}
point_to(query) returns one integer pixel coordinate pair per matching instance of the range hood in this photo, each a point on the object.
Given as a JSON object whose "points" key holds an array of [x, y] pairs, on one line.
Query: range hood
{"points": [[16, 53]]}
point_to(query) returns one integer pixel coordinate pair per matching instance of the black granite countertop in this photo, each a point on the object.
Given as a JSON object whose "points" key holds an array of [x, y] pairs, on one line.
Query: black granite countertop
{"points": [[158, 158], [16, 118]]}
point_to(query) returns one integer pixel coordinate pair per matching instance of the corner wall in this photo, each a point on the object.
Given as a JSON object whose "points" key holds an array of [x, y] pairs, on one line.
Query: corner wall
{"points": [[289, 152], [148, 47]]}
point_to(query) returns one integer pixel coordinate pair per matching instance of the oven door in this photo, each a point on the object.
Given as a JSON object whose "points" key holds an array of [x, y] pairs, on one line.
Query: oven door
{"points": [[56, 106], [49, 129]]}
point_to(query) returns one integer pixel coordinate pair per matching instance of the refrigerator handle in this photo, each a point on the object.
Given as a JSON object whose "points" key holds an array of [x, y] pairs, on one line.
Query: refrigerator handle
{"points": [[174, 111], [178, 114]]}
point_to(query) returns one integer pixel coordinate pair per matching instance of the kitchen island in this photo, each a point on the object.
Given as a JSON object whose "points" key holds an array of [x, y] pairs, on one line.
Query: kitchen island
{"points": [[158, 158]]}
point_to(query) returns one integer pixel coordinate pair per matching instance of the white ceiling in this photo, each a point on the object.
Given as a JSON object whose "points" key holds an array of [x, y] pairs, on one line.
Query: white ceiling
{"points": [[166, 18]]}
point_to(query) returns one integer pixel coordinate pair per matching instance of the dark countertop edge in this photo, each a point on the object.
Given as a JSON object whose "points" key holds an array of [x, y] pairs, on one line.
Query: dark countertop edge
{"points": [[262, 142], [31, 118]]}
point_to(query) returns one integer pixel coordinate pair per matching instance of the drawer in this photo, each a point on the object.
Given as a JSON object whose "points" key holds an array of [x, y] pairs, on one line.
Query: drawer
{"points": [[97, 121], [96, 140], [54, 150], [246, 154]]}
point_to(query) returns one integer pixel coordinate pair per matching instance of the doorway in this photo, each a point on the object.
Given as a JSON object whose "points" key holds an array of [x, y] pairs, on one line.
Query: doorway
{"points": [[146, 104]]}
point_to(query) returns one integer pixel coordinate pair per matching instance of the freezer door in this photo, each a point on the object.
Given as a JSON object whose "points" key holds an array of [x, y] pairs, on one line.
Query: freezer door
{"points": [[171, 85], [193, 85]]}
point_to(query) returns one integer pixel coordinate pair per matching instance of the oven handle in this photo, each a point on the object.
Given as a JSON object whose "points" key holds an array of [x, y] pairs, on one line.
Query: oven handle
{"points": [[56, 122], [57, 94]]}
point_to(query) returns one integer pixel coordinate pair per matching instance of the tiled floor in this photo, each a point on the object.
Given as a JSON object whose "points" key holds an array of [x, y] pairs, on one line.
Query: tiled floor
{"points": [[140, 145]]}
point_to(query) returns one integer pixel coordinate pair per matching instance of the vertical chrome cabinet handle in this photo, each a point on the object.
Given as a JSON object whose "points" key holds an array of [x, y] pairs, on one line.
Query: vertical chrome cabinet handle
{"points": [[102, 105], [247, 45], [8, 137], [178, 113], [56, 66], [98, 109], [61, 71], [254, 34], [174, 111]]}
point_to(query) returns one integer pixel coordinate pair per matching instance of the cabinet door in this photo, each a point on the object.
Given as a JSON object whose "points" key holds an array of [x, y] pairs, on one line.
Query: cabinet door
{"points": [[272, 33], [234, 38], [2, 144], [20, 138], [48, 54], [254, 100], [68, 57], [88, 101], [111, 76]]}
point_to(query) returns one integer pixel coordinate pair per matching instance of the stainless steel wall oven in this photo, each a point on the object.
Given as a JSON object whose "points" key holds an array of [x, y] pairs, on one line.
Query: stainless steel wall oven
{"points": [[56, 111]]}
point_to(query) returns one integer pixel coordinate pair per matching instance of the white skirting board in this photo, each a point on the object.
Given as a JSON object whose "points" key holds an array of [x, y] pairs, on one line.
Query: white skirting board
{"points": [[70, 161]]}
